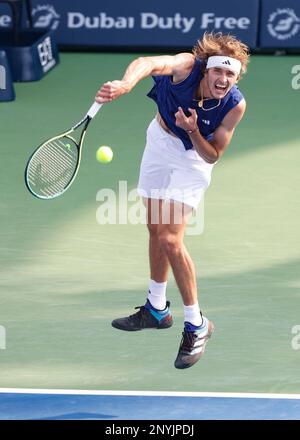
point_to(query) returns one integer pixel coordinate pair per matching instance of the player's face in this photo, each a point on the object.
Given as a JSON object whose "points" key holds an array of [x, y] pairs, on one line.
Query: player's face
{"points": [[220, 81]]}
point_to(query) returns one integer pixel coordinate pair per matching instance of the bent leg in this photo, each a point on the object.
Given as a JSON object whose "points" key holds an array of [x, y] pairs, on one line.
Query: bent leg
{"points": [[170, 238]]}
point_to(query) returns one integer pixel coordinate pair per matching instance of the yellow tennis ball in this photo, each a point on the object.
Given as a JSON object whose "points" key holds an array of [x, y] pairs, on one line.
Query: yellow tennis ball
{"points": [[104, 154]]}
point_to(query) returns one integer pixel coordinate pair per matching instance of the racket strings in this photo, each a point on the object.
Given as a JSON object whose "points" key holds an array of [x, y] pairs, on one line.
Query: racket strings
{"points": [[52, 167]]}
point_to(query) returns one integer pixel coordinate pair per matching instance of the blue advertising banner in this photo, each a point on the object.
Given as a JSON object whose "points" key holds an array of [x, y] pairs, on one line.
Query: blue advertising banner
{"points": [[133, 23], [280, 24]]}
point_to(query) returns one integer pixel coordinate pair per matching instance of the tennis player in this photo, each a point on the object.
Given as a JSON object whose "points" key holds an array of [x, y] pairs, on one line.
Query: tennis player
{"points": [[198, 108]]}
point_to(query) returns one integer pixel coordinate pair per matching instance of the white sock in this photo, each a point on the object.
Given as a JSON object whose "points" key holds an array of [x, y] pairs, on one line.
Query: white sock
{"points": [[192, 314], [157, 294]]}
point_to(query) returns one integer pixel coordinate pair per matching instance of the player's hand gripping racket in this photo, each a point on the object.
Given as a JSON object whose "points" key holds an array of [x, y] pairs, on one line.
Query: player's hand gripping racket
{"points": [[53, 166]]}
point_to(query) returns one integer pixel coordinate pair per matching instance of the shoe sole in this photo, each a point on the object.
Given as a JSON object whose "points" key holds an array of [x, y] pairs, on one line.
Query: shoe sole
{"points": [[139, 329], [211, 329]]}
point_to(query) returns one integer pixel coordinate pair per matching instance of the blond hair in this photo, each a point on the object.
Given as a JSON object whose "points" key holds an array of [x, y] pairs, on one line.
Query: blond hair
{"points": [[222, 44]]}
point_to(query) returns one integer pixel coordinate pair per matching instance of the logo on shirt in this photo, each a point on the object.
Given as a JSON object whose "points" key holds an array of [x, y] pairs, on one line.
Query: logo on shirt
{"points": [[206, 121]]}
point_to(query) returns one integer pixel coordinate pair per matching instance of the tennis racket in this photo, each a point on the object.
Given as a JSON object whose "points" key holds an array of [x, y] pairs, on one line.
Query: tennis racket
{"points": [[53, 166]]}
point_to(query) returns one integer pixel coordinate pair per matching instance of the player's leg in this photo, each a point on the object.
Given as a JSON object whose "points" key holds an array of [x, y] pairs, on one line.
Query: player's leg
{"points": [[159, 264], [170, 238], [156, 312], [154, 177], [197, 329]]}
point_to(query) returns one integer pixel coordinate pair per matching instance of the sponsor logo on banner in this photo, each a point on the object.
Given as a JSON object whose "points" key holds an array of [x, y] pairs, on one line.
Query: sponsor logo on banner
{"points": [[283, 24], [150, 20], [209, 19], [45, 17], [45, 54], [147, 20]]}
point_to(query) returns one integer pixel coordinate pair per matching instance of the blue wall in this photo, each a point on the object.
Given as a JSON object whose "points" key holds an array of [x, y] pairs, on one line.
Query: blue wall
{"points": [[165, 24]]}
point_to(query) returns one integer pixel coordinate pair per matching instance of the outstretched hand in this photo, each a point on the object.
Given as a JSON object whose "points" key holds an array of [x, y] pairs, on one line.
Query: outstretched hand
{"points": [[187, 123], [111, 90]]}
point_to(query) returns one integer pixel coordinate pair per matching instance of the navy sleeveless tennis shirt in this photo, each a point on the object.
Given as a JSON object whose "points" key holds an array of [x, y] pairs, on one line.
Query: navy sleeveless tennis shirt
{"points": [[169, 96]]}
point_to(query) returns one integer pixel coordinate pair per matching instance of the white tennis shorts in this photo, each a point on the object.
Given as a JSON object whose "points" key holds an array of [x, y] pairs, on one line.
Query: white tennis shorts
{"points": [[169, 171]]}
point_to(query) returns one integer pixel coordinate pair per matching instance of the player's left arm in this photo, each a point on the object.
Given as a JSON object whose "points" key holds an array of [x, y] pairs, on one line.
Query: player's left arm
{"points": [[213, 150], [223, 134]]}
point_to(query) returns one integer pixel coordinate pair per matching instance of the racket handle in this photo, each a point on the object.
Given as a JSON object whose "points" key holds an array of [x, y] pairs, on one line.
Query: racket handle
{"points": [[94, 110]]}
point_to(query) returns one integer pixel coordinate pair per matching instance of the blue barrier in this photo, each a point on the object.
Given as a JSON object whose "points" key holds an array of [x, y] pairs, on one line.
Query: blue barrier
{"points": [[280, 24], [7, 92], [36, 57], [169, 24]]}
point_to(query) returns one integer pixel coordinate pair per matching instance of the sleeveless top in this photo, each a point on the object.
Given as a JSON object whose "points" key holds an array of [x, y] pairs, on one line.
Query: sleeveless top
{"points": [[169, 96]]}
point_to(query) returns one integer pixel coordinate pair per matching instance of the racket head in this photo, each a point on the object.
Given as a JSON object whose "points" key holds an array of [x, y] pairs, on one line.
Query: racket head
{"points": [[53, 166]]}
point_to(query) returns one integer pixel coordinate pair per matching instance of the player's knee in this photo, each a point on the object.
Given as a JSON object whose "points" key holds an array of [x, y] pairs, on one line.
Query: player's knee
{"points": [[169, 242]]}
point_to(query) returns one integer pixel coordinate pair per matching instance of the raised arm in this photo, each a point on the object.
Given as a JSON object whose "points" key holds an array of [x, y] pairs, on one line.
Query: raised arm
{"points": [[179, 66]]}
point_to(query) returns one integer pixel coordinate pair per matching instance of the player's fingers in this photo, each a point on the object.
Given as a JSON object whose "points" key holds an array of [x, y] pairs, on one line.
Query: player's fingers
{"points": [[102, 100], [106, 93], [193, 118], [102, 97], [193, 111], [112, 90], [180, 111], [179, 122], [178, 118]]}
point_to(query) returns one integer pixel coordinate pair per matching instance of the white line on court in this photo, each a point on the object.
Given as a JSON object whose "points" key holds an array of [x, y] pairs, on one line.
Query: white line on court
{"points": [[149, 393]]}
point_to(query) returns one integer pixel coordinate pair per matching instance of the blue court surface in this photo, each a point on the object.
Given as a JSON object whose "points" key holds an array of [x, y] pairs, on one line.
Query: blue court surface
{"points": [[23, 404]]}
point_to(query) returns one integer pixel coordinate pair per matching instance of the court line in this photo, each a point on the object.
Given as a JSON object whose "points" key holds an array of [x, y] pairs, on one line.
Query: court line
{"points": [[149, 393]]}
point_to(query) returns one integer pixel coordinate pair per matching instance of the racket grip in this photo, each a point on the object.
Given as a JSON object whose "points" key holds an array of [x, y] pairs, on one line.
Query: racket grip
{"points": [[94, 110]]}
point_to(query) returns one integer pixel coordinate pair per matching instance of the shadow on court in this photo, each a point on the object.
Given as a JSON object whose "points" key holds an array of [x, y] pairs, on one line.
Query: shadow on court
{"points": [[64, 340]]}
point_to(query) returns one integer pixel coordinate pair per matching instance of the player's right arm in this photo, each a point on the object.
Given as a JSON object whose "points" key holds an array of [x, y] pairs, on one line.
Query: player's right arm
{"points": [[179, 66]]}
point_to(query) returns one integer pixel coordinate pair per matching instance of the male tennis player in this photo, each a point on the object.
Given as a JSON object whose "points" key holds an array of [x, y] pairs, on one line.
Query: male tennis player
{"points": [[199, 107]]}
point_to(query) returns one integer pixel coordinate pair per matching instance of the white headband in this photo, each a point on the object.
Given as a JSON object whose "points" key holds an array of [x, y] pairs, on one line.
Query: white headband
{"points": [[224, 62]]}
